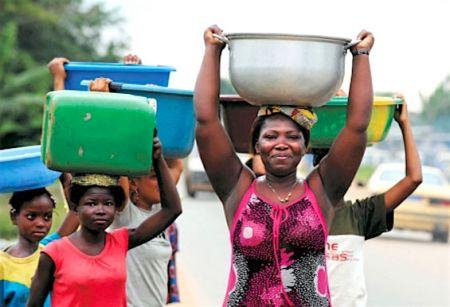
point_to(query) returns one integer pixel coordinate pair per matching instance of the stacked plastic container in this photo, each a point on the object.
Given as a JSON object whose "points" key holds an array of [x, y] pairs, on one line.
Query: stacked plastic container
{"points": [[98, 132], [174, 117], [129, 73], [79, 126], [22, 169]]}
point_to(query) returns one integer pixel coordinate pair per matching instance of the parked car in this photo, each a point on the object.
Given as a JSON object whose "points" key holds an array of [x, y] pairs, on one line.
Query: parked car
{"points": [[427, 209], [443, 162], [375, 156], [195, 176]]}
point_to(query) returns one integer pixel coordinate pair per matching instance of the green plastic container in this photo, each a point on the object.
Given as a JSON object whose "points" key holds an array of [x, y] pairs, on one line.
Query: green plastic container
{"points": [[333, 115], [93, 132], [238, 116]]}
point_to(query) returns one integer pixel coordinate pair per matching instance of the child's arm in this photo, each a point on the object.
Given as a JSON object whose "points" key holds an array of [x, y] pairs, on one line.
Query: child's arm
{"points": [[71, 222], [69, 225], [339, 167], [56, 67], [42, 281], [176, 168], [170, 202], [214, 145], [413, 177]]}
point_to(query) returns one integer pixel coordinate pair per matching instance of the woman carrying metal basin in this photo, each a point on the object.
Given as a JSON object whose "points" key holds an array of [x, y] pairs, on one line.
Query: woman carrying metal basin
{"points": [[279, 223]]}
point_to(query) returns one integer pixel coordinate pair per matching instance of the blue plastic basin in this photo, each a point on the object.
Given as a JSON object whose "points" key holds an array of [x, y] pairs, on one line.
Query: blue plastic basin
{"points": [[174, 115], [127, 73], [22, 169]]}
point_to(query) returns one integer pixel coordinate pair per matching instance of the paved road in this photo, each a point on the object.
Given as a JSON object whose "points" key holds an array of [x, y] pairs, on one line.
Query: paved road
{"points": [[402, 269], [406, 270]]}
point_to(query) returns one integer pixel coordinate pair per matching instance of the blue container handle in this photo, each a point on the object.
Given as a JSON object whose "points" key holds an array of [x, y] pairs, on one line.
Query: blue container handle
{"points": [[115, 86], [148, 88]]}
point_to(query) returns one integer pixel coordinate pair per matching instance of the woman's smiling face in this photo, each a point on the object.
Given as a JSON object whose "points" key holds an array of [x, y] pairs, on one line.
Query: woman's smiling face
{"points": [[281, 145]]}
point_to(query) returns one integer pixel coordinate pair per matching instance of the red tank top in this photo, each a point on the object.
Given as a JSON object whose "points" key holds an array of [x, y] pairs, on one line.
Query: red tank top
{"points": [[88, 281]]}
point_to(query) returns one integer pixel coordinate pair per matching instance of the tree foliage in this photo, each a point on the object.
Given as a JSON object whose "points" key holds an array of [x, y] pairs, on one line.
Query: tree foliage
{"points": [[32, 32], [436, 109]]}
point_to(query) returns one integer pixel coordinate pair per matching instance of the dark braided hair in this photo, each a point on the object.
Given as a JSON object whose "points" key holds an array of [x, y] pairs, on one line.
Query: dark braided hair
{"points": [[19, 198]]}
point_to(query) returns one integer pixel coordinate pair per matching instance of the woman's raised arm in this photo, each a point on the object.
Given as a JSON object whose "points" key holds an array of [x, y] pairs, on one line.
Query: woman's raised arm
{"points": [[219, 158], [339, 167], [413, 167]]}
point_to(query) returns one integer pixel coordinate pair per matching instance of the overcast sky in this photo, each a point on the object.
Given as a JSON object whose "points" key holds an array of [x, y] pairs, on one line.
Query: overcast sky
{"points": [[411, 52]]}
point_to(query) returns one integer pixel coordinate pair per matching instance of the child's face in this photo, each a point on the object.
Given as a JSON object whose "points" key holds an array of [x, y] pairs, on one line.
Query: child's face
{"points": [[34, 219], [96, 209], [147, 187]]}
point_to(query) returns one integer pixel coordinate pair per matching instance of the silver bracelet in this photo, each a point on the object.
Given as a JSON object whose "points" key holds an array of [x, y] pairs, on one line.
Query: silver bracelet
{"points": [[359, 52]]}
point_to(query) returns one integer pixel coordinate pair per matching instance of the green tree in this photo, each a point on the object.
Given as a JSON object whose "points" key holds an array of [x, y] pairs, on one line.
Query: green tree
{"points": [[32, 32], [436, 109]]}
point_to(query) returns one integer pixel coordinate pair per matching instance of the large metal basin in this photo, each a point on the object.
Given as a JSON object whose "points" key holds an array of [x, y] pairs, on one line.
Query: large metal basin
{"points": [[286, 69]]}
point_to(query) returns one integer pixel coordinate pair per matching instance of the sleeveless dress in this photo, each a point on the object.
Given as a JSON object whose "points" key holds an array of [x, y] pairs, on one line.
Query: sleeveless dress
{"points": [[82, 280], [278, 253]]}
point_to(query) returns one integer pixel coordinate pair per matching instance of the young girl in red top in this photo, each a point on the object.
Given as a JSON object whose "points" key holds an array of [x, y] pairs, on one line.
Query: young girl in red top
{"points": [[88, 268]]}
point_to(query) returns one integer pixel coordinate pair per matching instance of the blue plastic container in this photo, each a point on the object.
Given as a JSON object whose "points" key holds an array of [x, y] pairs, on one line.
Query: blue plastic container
{"points": [[127, 73], [22, 169], [174, 115]]}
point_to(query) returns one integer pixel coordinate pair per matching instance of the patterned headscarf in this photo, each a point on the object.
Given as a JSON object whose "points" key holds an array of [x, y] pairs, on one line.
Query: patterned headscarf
{"points": [[305, 117], [95, 179]]}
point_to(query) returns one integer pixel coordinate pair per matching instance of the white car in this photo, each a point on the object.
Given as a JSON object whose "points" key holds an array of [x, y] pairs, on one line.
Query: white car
{"points": [[427, 209]]}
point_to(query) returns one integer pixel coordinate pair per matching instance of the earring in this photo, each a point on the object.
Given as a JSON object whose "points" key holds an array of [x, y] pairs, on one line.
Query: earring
{"points": [[134, 196]]}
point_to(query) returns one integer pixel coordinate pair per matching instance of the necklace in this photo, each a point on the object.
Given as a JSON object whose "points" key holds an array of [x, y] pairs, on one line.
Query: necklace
{"points": [[285, 199]]}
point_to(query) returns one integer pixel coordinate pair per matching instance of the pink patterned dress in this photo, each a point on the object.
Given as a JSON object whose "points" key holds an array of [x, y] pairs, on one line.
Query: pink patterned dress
{"points": [[278, 253]]}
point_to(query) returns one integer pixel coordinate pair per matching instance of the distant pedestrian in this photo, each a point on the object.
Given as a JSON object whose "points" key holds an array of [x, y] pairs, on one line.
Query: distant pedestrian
{"points": [[363, 219]]}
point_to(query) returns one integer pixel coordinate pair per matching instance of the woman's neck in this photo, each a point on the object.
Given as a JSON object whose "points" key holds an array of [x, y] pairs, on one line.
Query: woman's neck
{"points": [[23, 248], [282, 181]]}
